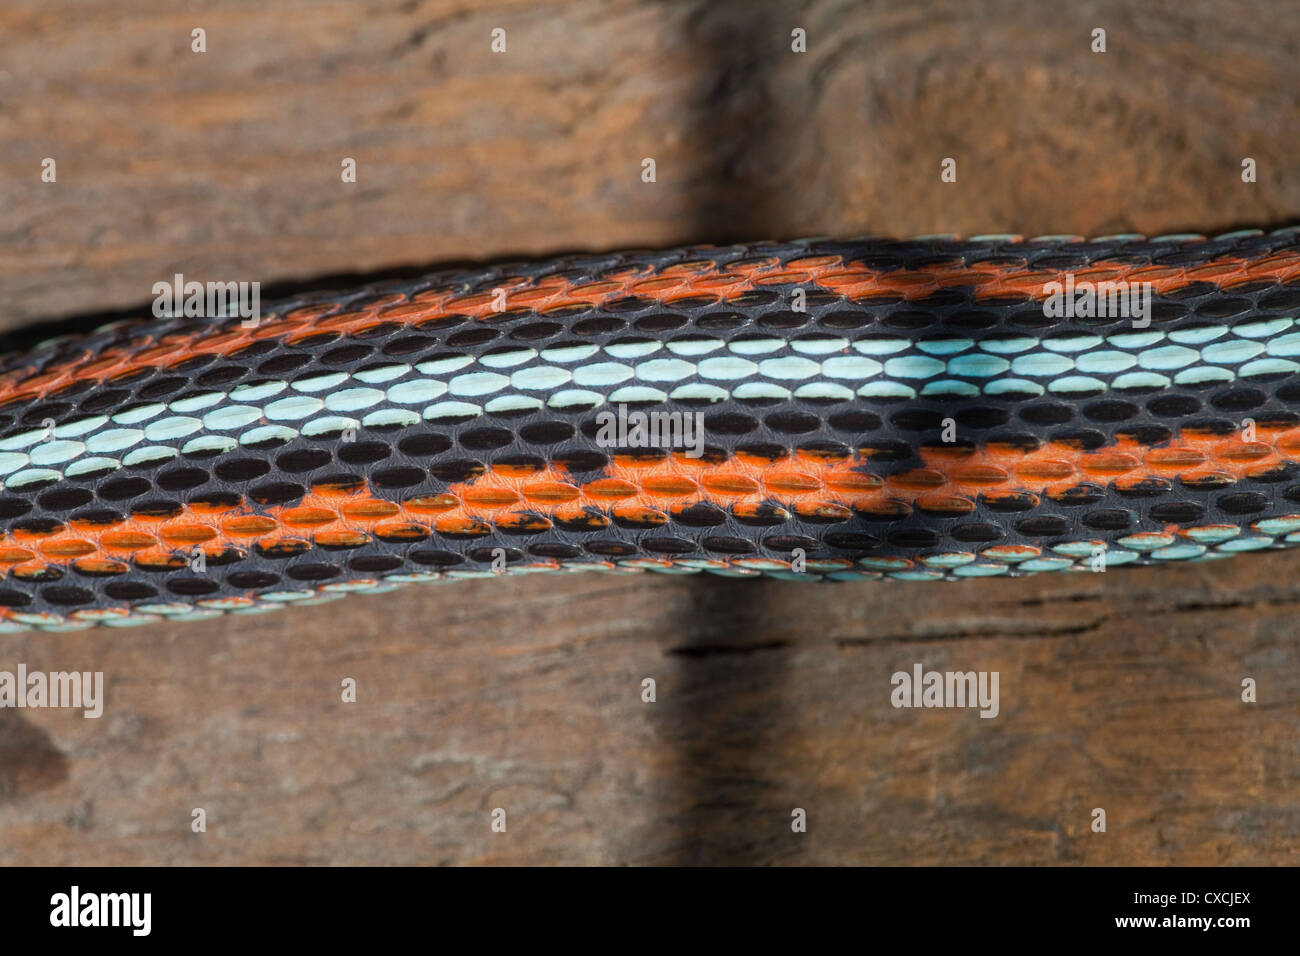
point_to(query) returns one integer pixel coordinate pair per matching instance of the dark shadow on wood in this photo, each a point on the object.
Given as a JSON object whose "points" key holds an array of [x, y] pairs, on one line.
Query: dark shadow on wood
{"points": [[724, 710], [29, 760], [726, 690]]}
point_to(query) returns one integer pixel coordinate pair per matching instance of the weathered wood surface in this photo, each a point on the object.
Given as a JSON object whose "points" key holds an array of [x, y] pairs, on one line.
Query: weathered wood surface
{"points": [[1119, 690]]}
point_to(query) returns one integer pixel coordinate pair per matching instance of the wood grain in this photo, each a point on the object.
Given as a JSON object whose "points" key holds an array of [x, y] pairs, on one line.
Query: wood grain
{"points": [[1119, 690]]}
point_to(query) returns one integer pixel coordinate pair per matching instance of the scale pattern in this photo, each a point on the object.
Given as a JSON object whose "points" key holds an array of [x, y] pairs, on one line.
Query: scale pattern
{"points": [[870, 408]]}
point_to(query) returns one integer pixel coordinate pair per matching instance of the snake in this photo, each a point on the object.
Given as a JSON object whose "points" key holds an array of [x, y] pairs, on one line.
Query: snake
{"points": [[933, 408]]}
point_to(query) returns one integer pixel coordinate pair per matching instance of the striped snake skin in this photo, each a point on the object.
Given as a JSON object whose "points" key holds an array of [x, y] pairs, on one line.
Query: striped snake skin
{"points": [[871, 409]]}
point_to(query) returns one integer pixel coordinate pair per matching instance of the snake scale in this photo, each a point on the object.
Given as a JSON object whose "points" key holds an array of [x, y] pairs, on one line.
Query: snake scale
{"points": [[915, 409]]}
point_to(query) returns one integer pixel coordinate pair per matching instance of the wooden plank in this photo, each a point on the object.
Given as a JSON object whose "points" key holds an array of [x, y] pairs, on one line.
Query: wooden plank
{"points": [[1119, 690]]}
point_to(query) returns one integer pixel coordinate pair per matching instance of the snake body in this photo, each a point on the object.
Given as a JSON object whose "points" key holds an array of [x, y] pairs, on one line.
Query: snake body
{"points": [[870, 409]]}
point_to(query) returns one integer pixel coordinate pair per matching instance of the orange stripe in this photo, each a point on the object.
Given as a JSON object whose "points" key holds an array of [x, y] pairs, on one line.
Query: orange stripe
{"points": [[699, 280], [644, 493]]}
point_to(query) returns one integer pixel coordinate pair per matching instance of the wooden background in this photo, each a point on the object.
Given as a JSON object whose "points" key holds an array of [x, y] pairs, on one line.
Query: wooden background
{"points": [[1119, 690]]}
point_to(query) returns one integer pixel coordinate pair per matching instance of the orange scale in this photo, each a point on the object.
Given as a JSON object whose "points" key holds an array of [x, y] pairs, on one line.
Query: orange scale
{"points": [[752, 458], [947, 452], [212, 508], [721, 283], [1212, 271], [846, 277], [854, 483], [36, 534], [649, 563], [1246, 451], [946, 504], [883, 507], [1108, 463], [1031, 283], [152, 521], [461, 525], [1265, 470], [349, 324], [815, 262], [45, 388], [329, 538], [439, 295], [783, 278], [564, 305], [852, 289], [967, 279], [15, 555], [518, 470], [127, 540], [344, 487], [1274, 430], [385, 301], [766, 511], [158, 559], [30, 571], [822, 511], [349, 321], [1174, 459], [629, 272], [1272, 265], [730, 484], [1210, 473], [908, 279], [637, 514], [669, 486], [246, 526], [431, 504], [1012, 551], [406, 311], [1289, 443], [101, 366], [791, 483], [489, 496], [13, 380], [304, 516], [1052, 469], [551, 492], [757, 264], [1098, 275], [157, 354], [225, 340], [587, 520], [473, 302], [647, 461], [918, 479], [283, 546], [609, 488], [52, 377], [595, 290], [400, 531], [690, 267], [100, 566], [981, 475], [655, 287], [1162, 276], [63, 547], [551, 282], [369, 510], [187, 532], [528, 296], [523, 524], [1147, 482], [219, 550], [827, 456], [998, 293]]}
